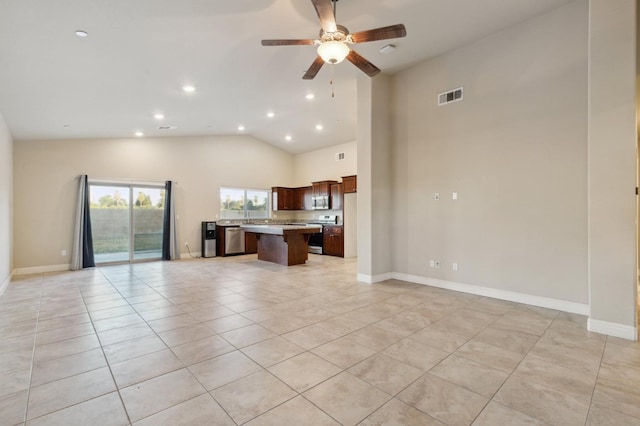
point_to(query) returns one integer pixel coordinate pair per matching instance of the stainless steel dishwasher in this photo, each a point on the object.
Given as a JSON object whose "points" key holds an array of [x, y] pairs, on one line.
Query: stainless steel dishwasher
{"points": [[233, 240]]}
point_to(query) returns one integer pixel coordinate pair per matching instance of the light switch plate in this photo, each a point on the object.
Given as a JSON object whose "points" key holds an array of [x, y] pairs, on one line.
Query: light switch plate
{"points": [[436, 196]]}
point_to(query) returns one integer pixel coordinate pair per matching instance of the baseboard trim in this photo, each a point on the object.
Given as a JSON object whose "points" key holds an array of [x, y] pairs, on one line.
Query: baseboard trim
{"points": [[543, 302], [5, 285], [613, 329], [42, 269], [372, 279]]}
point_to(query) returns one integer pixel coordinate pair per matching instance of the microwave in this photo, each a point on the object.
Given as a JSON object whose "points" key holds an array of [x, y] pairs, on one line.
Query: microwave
{"points": [[320, 202]]}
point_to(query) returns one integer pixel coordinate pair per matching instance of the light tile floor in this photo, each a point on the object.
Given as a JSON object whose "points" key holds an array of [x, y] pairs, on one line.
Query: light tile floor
{"points": [[231, 341]]}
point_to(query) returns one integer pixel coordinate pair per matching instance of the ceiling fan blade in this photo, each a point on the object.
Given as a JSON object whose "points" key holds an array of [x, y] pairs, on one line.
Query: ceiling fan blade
{"points": [[284, 42], [314, 68], [324, 9], [392, 31], [364, 65]]}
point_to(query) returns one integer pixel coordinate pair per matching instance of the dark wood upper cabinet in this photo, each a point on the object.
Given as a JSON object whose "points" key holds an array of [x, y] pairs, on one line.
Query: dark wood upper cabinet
{"points": [[307, 197], [336, 196], [283, 198], [350, 184], [292, 198], [322, 188]]}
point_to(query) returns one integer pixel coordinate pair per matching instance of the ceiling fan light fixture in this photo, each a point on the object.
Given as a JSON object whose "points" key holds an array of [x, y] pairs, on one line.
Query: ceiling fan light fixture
{"points": [[333, 52]]}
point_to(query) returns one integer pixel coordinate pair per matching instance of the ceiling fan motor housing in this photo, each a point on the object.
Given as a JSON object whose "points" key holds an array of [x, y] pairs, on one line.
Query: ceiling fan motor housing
{"points": [[342, 35]]}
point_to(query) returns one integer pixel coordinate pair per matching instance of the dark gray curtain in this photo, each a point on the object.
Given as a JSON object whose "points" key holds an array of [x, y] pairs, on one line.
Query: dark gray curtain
{"points": [[82, 250], [170, 249]]}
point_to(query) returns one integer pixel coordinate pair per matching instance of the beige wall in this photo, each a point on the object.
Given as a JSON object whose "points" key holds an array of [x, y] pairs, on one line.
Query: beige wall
{"points": [[612, 163], [322, 165], [6, 204], [514, 150], [46, 171], [374, 179]]}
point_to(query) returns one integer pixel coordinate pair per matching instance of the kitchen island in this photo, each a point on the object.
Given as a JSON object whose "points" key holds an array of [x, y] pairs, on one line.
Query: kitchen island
{"points": [[283, 244]]}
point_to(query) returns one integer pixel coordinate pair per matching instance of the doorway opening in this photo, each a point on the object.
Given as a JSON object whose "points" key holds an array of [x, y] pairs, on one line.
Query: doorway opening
{"points": [[126, 222]]}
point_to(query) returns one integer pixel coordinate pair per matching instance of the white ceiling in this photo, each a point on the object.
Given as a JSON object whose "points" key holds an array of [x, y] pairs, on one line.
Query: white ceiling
{"points": [[139, 53]]}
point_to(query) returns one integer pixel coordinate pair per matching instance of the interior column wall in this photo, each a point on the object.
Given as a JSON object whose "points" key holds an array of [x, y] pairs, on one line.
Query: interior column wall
{"points": [[6, 205], [612, 166], [374, 178]]}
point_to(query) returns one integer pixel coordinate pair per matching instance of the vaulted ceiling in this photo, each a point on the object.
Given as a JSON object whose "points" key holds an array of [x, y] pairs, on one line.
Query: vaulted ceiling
{"points": [[139, 54]]}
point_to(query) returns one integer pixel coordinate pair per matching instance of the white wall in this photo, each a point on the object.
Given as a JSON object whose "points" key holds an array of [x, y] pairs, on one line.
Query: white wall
{"points": [[515, 151], [6, 205], [46, 171], [321, 164]]}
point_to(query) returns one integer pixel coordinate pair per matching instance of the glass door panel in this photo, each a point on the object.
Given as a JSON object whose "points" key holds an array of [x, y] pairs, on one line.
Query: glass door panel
{"points": [[148, 214], [109, 209]]}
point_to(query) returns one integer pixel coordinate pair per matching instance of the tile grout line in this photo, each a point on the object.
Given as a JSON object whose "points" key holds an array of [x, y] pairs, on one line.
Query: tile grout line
{"points": [[168, 372], [33, 354]]}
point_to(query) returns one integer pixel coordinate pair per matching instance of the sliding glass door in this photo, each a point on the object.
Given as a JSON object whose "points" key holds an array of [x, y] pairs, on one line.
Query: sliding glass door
{"points": [[126, 222], [147, 216]]}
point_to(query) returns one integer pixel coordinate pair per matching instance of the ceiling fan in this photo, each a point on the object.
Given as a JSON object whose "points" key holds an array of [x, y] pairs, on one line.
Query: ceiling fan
{"points": [[334, 41]]}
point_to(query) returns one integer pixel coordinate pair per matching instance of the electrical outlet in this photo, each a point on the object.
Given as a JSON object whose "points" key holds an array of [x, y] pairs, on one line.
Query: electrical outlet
{"points": [[454, 196], [437, 262], [454, 266], [432, 263], [186, 244], [63, 253], [436, 196]]}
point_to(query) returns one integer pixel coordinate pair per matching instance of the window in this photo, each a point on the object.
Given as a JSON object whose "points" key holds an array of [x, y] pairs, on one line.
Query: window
{"points": [[242, 203]]}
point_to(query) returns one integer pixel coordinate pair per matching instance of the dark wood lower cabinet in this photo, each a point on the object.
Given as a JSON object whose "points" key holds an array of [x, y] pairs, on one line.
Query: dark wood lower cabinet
{"points": [[250, 243], [333, 240]]}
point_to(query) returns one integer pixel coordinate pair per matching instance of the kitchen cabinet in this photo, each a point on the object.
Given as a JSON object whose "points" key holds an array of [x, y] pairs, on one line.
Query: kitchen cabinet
{"points": [[306, 195], [322, 194], [283, 198], [333, 240], [350, 184], [292, 198], [322, 188], [250, 243], [336, 196]]}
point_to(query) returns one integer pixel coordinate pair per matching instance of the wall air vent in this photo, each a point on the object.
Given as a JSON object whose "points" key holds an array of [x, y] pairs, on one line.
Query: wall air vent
{"points": [[450, 96], [167, 127], [340, 156]]}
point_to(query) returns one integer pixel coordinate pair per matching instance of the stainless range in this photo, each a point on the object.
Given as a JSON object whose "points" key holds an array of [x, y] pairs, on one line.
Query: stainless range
{"points": [[315, 240]]}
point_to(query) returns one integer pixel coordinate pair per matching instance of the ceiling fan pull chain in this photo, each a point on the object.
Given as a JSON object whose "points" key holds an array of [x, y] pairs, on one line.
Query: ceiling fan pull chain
{"points": [[333, 69]]}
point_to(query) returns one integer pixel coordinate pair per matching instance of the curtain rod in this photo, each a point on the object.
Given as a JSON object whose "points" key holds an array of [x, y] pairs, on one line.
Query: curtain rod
{"points": [[128, 181]]}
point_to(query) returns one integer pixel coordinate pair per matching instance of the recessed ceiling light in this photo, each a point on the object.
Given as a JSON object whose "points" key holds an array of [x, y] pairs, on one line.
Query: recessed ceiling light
{"points": [[139, 134], [310, 96], [158, 116], [288, 138], [189, 88], [271, 114], [319, 127], [241, 128], [81, 33]]}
